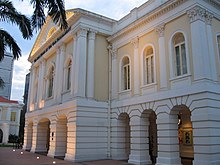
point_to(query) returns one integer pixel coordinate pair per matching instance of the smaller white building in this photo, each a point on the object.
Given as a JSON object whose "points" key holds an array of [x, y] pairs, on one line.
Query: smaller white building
{"points": [[9, 118]]}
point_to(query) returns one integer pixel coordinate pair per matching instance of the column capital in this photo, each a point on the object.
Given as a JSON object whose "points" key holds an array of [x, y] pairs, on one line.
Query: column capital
{"points": [[209, 17], [62, 48], [135, 42], [112, 50], [82, 32], [196, 13], [160, 30], [92, 34]]}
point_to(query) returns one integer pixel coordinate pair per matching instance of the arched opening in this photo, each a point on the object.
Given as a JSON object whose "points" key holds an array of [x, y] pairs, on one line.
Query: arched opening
{"points": [[123, 136], [148, 124], [1, 135], [43, 136], [61, 137], [185, 134]]}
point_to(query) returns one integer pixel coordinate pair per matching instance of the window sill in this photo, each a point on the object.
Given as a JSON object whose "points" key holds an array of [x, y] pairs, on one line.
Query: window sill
{"points": [[149, 85], [49, 98], [125, 91], [65, 92], [180, 77]]}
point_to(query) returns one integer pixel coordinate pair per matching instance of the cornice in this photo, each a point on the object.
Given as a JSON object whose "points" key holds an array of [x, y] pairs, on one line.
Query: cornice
{"points": [[154, 14]]}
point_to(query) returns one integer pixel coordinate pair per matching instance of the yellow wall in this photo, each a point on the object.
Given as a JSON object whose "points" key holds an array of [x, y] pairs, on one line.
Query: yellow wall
{"points": [[180, 24], [101, 69], [4, 114], [69, 48], [216, 31], [150, 38], [126, 50]]}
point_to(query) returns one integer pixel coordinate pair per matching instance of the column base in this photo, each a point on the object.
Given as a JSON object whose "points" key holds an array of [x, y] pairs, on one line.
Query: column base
{"points": [[168, 161], [70, 157], [139, 160], [200, 162]]}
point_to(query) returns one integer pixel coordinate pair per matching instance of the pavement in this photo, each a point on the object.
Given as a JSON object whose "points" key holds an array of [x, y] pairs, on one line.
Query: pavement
{"points": [[10, 156]]}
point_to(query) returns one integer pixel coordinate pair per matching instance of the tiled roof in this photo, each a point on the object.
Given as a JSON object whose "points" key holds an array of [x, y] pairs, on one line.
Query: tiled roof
{"points": [[4, 100]]}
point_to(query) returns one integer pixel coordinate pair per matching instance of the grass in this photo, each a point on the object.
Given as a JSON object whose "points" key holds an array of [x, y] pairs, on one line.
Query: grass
{"points": [[6, 145]]}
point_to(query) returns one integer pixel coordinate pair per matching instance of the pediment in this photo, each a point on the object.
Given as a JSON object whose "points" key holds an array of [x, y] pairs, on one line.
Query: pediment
{"points": [[46, 32]]}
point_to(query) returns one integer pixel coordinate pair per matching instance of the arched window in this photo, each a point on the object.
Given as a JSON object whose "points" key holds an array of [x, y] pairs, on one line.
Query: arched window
{"points": [[148, 65], [50, 82], [68, 74], [125, 73], [180, 60]]}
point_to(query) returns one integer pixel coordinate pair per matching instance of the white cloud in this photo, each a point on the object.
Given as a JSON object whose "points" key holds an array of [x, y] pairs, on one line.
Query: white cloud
{"points": [[21, 68]]}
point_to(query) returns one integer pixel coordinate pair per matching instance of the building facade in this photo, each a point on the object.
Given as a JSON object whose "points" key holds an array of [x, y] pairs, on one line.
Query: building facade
{"points": [[9, 118], [6, 72], [143, 89]]}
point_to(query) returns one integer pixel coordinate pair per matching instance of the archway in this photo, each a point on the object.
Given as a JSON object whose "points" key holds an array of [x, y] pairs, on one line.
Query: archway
{"points": [[185, 134], [43, 136], [123, 133], [1, 135]]}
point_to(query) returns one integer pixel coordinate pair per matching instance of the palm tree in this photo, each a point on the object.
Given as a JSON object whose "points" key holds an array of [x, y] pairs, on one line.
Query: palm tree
{"points": [[9, 14]]}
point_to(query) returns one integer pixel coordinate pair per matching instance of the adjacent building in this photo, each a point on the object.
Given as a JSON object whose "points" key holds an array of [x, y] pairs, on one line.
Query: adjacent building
{"points": [[9, 118], [143, 89], [6, 72]]}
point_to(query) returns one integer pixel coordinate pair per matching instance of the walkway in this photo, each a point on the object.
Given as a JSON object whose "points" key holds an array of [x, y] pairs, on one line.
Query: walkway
{"points": [[20, 157]]}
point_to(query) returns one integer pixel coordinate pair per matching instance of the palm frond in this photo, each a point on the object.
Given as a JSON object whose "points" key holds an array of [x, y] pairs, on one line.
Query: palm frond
{"points": [[8, 41], [9, 14], [38, 18], [57, 12]]}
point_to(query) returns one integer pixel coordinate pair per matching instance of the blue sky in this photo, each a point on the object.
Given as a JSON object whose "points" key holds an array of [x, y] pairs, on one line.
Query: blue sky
{"points": [[115, 9]]}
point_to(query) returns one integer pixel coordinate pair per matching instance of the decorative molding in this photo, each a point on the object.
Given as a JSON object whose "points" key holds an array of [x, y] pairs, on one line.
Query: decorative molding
{"points": [[197, 13], [92, 34], [82, 32], [149, 17], [135, 42], [160, 30], [209, 17], [112, 51]]}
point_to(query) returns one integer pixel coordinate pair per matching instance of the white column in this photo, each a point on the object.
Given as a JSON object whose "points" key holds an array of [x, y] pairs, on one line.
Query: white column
{"points": [[28, 131], [162, 56], [206, 133], [168, 146], [200, 47], [60, 74], [91, 62], [41, 86], [139, 141], [209, 17], [73, 67], [56, 79], [71, 142], [114, 74], [136, 67], [80, 72]]}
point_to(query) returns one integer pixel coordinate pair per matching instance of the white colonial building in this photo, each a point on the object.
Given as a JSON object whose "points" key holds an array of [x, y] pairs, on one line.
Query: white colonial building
{"points": [[143, 89], [9, 118]]}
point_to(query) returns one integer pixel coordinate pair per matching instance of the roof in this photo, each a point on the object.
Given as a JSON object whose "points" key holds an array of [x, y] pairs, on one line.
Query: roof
{"points": [[4, 100]]}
